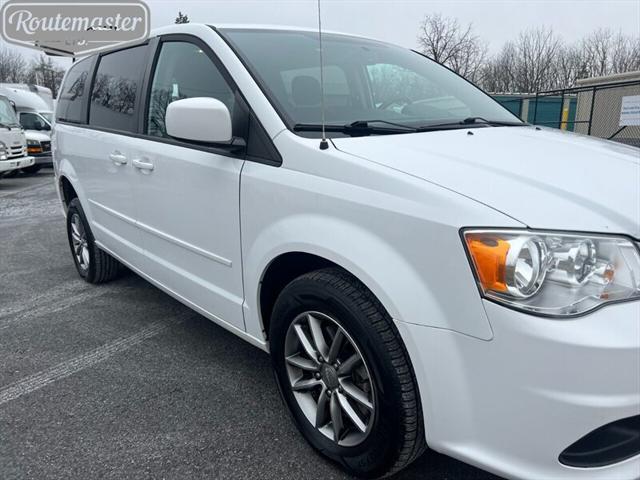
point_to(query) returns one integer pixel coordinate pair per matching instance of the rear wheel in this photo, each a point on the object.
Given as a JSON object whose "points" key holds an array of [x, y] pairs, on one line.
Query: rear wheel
{"points": [[345, 375], [92, 263]]}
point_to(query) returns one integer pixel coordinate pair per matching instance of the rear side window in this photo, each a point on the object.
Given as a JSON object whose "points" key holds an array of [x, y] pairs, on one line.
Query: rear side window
{"points": [[183, 70], [114, 98], [74, 92]]}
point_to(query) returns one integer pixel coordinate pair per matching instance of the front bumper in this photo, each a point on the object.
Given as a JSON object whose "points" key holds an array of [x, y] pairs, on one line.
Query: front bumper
{"points": [[513, 404], [44, 159], [16, 163]]}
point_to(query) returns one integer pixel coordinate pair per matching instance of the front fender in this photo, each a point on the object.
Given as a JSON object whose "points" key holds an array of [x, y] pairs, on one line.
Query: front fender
{"points": [[396, 233], [308, 234], [397, 282]]}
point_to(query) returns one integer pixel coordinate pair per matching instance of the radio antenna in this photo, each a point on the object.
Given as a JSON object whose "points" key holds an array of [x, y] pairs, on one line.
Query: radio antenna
{"points": [[323, 143]]}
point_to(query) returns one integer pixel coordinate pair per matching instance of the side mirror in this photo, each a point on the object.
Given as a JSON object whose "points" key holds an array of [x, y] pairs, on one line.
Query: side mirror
{"points": [[200, 119]]}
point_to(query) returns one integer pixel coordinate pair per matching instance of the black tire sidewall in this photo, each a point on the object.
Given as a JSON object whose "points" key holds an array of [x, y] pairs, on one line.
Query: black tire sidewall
{"points": [[377, 452], [88, 274]]}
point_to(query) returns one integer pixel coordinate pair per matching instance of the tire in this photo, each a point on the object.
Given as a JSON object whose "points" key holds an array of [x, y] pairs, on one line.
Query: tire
{"points": [[93, 264], [394, 435], [32, 170]]}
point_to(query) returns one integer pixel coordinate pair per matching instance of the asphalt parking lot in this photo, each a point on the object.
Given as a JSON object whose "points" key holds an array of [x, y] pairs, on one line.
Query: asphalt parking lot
{"points": [[122, 381]]}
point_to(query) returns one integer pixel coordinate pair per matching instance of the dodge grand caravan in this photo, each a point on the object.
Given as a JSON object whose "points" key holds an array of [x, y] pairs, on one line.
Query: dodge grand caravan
{"points": [[437, 273]]}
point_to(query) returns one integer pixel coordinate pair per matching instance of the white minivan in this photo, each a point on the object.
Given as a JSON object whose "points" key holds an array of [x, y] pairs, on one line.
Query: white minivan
{"points": [[437, 273]]}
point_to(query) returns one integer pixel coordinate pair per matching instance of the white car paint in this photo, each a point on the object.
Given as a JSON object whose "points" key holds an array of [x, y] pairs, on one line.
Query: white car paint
{"points": [[547, 165], [15, 164], [500, 389]]}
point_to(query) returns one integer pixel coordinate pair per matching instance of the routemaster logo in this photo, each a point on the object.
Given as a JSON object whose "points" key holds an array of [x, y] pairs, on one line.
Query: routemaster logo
{"points": [[74, 28]]}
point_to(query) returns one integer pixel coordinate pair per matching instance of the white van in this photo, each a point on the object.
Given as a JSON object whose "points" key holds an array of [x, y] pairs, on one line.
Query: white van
{"points": [[34, 115], [13, 145], [43, 92], [435, 273]]}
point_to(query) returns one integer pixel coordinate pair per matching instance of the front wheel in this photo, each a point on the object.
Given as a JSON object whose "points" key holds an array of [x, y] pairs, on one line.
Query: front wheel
{"points": [[345, 375]]}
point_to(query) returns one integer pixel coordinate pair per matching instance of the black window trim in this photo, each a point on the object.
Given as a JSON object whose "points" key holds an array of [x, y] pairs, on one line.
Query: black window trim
{"points": [[154, 47], [225, 150], [266, 91]]}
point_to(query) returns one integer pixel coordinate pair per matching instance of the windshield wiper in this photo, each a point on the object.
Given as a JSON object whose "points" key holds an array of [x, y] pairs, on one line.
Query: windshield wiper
{"points": [[365, 127], [472, 120], [359, 127], [468, 122], [366, 124]]}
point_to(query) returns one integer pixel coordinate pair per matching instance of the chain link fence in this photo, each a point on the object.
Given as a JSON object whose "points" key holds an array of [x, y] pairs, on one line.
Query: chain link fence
{"points": [[590, 108]]}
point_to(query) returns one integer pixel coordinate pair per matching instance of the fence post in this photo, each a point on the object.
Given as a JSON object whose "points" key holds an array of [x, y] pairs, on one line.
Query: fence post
{"points": [[561, 111], [535, 109], [593, 102]]}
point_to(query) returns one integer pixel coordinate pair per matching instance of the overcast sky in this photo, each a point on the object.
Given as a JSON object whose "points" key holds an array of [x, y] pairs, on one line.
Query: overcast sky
{"points": [[397, 21]]}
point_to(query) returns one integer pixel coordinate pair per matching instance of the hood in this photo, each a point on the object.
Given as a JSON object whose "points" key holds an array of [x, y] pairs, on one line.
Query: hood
{"points": [[37, 135], [544, 178], [13, 137]]}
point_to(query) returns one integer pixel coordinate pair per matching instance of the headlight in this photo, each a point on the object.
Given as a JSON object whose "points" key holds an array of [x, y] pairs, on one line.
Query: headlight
{"points": [[33, 146], [3, 151], [549, 273]]}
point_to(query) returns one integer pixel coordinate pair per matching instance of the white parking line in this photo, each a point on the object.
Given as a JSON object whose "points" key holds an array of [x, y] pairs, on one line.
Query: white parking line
{"points": [[65, 369]]}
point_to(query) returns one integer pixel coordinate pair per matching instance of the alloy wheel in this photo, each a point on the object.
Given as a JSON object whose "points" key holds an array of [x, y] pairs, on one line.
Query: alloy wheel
{"points": [[79, 242], [329, 378]]}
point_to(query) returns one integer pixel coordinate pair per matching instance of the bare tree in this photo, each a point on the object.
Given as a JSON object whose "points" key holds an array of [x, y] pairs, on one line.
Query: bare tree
{"points": [[625, 53], [44, 72], [182, 18], [447, 42], [604, 52], [12, 66], [596, 52], [500, 72], [569, 67], [537, 51]]}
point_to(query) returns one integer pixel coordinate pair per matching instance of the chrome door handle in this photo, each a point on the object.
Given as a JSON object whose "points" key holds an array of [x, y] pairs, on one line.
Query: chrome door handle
{"points": [[118, 158], [142, 165]]}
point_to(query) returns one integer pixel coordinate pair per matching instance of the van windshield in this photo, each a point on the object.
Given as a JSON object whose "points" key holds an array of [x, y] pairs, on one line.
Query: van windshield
{"points": [[48, 116], [7, 114], [366, 83]]}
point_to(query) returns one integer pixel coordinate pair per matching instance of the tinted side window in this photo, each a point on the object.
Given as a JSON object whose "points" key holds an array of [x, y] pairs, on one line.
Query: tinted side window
{"points": [[183, 70], [70, 105], [114, 97]]}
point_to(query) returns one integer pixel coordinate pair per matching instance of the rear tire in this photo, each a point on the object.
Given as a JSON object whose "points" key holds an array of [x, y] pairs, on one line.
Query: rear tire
{"points": [[93, 264], [391, 431]]}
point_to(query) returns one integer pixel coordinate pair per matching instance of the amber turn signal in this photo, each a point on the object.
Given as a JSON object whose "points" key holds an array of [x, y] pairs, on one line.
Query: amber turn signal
{"points": [[489, 255]]}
